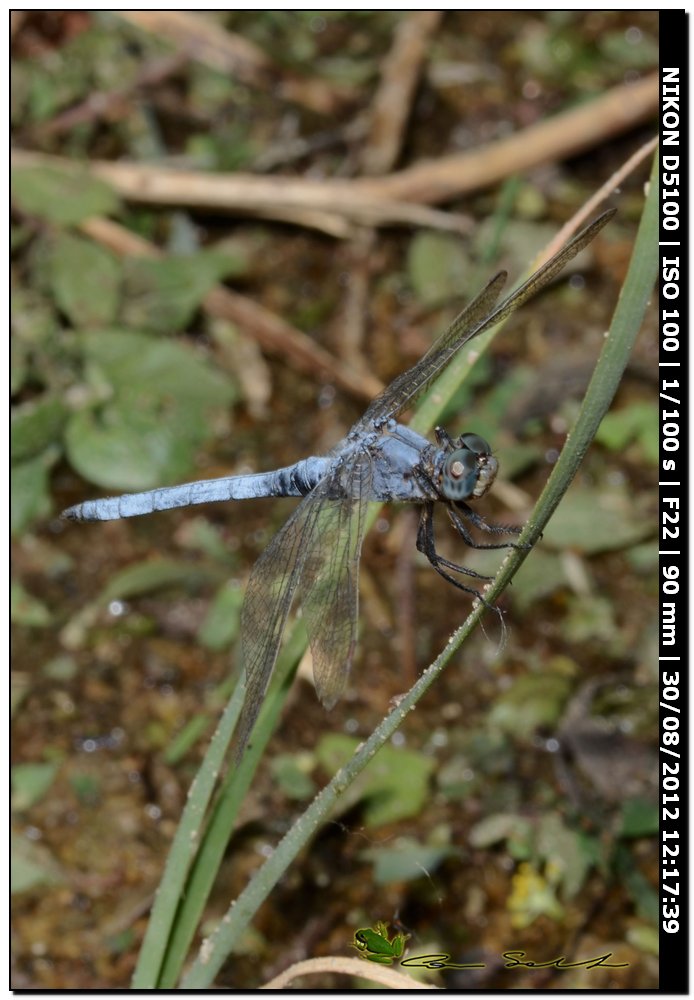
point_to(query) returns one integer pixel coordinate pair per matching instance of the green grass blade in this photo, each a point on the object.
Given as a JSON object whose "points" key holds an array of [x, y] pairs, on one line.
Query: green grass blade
{"points": [[199, 842], [225, 810], [182, 851]]}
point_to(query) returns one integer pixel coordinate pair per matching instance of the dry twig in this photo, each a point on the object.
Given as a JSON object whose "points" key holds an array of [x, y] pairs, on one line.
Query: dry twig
{"points": [[304, 202], [392, 102], [381, 200], [350, 967], [564, 135]]}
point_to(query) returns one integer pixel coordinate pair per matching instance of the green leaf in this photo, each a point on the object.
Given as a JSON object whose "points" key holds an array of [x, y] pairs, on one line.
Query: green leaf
{"points": [[568, 855], [85, 280], [408, 860], [592, 521], [61, 196], [532, 701], [644, 937], [644, 558], [61, 668], [121, 448], [617, 47], [537, 578], [394, 786], [516, 830], [638, 422], [35, 327], [30, 782], [27, 610], [158, 414], [163, 295], [591, 617], [221, 624], [151, 575], [291, 772], [201, 536], [35, 426], [136, 362], [31, 865], [29, 494], [437, 265], [639, 818]]}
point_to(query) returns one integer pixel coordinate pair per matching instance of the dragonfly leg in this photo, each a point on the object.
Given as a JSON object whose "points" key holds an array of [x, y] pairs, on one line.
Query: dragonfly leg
{"points": [[443, 438], [454, 512], [426, 544]]}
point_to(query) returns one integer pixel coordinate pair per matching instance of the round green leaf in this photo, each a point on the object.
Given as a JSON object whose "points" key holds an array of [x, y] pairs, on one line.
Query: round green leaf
{"points": [[85, 280], [36, 425], [29, 495], [65, 197], [146, 434], [122, 449]]}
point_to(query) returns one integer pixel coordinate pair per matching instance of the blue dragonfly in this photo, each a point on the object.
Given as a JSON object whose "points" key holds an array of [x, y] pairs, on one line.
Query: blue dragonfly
{"points": [[315, 555]]}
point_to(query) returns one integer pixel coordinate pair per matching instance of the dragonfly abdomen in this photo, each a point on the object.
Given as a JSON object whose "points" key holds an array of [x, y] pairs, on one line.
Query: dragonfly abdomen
{"points": [[294, 481]]}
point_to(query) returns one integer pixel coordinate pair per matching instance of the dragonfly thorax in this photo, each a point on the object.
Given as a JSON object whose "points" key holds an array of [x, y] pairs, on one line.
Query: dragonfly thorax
{"points": [[469, 470]]}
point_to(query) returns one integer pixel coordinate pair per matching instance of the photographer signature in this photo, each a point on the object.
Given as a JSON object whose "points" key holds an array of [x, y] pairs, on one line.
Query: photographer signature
{"points": [[514, 960]]}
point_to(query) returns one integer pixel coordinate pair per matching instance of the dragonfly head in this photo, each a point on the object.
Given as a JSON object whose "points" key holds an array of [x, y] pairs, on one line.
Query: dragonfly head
{"points": [[469, 470]]}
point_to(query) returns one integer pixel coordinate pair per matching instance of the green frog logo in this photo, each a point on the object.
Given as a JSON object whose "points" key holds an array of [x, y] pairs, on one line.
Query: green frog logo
{"points": [[374, 944]]}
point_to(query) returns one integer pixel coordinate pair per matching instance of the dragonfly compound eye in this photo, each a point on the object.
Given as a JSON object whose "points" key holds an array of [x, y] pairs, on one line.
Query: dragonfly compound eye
{"points": [[467, 474], [475, 443]]}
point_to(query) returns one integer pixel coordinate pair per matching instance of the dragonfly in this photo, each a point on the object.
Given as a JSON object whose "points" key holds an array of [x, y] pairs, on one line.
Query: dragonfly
{"points": [[315, 555]]}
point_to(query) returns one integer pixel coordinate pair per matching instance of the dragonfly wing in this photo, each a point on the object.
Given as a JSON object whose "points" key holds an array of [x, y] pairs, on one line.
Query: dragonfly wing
{"points": [[329, 583], [479, 316], [411, 383], [269, 597]]}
